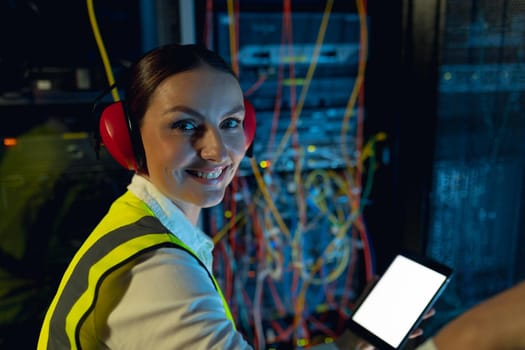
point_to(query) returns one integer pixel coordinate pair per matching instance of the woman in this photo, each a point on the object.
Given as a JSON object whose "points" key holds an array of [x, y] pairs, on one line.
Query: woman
{"points": [[143, 278]]}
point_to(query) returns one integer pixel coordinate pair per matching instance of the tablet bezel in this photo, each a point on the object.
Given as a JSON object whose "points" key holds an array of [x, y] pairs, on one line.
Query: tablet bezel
{"points": [[374, 339]]}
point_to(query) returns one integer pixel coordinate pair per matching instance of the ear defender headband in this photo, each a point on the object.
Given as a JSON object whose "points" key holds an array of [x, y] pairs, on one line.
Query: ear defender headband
{"points": [[122, 139]]}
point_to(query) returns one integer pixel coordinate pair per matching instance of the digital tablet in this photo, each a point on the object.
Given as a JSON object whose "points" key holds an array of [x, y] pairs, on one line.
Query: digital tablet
{"points": [[396, 304]]}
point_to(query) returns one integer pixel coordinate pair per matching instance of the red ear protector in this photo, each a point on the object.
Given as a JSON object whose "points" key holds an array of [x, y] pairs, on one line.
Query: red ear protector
{"points": [[114, 129], [249, 126], [122, 140]]}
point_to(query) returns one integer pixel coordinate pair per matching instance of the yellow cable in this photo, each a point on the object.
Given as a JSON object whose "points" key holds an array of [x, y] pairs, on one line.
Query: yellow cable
{"points": [[320, 200], [301, 298], [268, 199], [102, 50], [233, 39], [337, 271], [358, 82], [237, 219], [309, 75]]}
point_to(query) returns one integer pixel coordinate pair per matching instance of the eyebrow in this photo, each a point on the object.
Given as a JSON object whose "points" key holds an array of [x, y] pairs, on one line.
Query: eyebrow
{"points": [[193, 112]]}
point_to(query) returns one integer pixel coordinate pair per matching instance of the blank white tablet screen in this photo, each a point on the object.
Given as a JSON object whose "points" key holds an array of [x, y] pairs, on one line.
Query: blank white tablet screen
{"points": [[398, 299]]}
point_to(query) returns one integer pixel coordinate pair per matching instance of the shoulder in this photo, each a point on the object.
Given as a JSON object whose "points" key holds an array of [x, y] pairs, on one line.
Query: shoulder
{"points": [[167, 300], [125, 210], [172, 270]]}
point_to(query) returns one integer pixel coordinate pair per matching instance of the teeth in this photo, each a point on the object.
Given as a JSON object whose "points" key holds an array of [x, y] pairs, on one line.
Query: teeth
{"points": [[211, 175]]}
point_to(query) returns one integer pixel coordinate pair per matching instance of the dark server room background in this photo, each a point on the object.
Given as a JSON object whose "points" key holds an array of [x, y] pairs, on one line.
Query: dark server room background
{"points": [[381, 126]]}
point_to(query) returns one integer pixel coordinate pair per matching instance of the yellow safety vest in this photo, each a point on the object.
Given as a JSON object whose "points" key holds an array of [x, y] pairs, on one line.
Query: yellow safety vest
{"points": [[127, 231]]}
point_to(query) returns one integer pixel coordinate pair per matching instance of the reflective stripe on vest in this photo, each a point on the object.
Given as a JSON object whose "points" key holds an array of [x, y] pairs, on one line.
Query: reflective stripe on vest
{"points": [[77, 294]]}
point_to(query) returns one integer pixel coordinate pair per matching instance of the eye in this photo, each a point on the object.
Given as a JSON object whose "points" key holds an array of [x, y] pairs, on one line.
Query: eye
{"points": [[184, 125], [231, 123]]}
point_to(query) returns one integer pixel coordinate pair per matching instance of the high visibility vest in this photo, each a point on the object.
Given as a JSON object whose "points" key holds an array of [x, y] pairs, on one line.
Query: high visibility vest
{"points": [[127, 231]]}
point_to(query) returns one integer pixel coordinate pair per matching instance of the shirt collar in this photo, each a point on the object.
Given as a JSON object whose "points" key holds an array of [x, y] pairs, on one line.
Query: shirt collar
{"points": [[173, 219]]}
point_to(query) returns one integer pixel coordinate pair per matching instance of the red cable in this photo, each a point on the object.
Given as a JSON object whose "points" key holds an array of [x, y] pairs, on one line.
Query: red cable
{"points": [[208, 24]]}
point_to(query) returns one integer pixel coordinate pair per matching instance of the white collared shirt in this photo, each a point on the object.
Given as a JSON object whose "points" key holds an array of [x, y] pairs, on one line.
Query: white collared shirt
{"points": [[173, 219]]}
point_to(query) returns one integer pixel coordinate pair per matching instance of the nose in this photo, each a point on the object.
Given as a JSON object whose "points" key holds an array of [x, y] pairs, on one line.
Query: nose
{"points": [[212, 147]]}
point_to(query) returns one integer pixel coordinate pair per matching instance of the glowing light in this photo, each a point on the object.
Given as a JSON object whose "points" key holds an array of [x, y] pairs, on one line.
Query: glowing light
{"points": [[311, 148], [447, 76], [264, 164], [302, 342], [381, 136], [228, 214], [9, 141]]}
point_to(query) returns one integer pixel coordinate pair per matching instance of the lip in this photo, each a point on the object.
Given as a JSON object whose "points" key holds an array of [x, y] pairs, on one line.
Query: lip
{"points": [[206, 181]]}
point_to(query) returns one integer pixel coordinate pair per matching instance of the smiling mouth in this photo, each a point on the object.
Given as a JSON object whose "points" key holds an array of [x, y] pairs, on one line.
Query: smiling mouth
{"points": [[207, 175]]}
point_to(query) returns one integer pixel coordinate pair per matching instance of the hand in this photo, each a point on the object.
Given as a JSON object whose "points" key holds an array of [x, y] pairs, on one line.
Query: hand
{"points": [[363, 345], [419, 331]]}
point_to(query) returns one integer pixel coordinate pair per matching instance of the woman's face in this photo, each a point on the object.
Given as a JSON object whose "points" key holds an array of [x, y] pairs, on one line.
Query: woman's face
{"points": [[193, 136]]}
